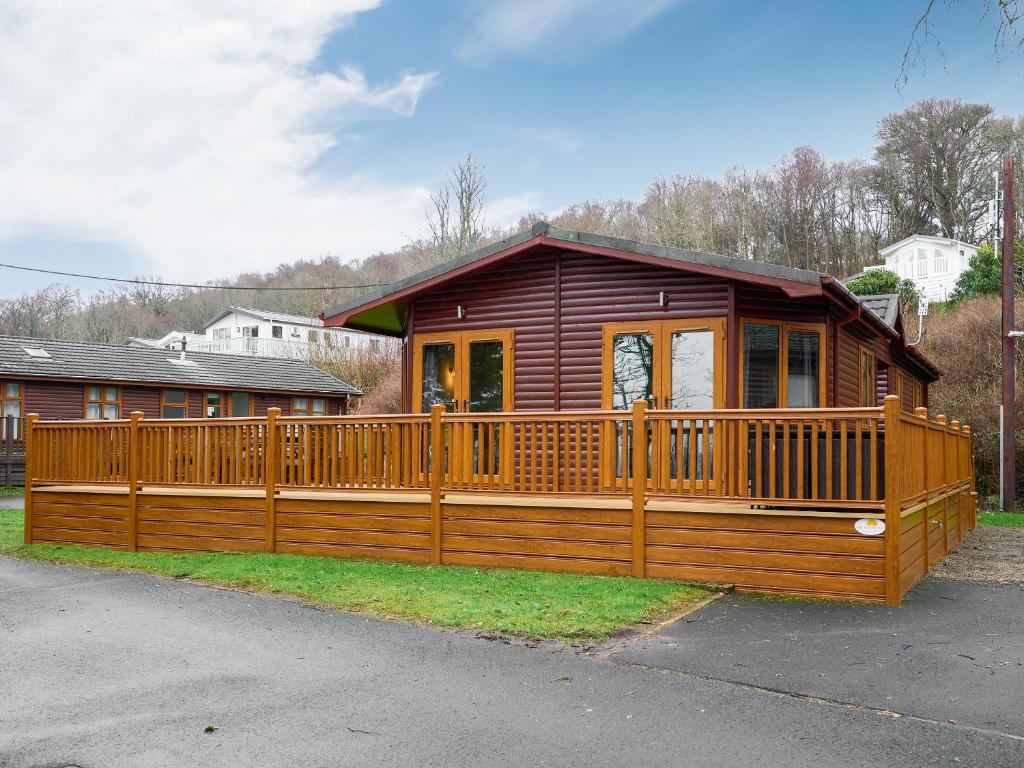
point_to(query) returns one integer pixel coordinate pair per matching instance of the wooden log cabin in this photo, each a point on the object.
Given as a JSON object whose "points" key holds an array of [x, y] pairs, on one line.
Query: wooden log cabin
{"points": [[558, 320], [576, 403]]}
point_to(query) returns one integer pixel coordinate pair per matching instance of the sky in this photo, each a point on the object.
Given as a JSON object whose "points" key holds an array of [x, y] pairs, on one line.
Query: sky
{"points": [[197, 140]]}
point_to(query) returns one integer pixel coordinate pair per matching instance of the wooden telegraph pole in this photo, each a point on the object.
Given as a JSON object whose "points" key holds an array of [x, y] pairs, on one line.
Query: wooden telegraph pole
{"points": [[1009, 342]]}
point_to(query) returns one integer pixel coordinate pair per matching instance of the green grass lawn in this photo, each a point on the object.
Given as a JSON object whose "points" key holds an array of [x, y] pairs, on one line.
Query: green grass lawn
{"points": [[1002, 519], [565, 607], [6, 490]]}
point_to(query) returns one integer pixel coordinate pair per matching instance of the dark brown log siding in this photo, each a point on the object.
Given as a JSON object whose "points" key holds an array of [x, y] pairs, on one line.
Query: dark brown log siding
{"points": [[594, 290], [591, 291]]}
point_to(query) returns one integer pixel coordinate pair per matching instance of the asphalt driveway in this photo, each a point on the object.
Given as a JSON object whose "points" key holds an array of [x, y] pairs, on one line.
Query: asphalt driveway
{"points": [[12, 502], [116, 669], [954, 651]]}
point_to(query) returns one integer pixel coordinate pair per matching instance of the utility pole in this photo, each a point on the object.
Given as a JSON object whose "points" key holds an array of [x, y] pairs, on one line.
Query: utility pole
{"points": [[1009, 443]]}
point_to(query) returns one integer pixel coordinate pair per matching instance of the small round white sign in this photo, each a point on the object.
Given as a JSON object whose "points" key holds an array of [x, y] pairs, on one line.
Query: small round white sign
{"points": [[869, 526]]}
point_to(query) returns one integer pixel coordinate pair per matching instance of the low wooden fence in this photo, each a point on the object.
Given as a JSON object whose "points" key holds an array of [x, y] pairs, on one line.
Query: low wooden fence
{"points": [[765, 500]]}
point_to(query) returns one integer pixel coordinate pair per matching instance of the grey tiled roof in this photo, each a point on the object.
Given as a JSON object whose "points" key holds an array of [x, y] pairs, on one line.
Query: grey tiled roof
{"points": [[119, 362], [885, 305]]}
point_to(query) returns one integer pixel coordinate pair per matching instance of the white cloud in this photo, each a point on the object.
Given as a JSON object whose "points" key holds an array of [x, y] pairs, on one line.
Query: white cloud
{"points": [[556, 138], [186, 132], [506, 211], [554, 27]]}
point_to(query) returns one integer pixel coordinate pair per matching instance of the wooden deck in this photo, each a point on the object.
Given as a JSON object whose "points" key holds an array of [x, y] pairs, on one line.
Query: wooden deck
{"points": [[765, 500]]}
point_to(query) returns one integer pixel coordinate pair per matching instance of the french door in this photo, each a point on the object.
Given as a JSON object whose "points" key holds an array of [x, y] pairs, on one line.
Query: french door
{"points": [[468, 371], [678, 364]]}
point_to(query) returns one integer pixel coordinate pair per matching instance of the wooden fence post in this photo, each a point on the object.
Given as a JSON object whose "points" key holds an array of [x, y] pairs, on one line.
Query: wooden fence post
{"points": [[30, 423], [134, 469], [893, 493], [639, 446], [436, 477], [270, 475], [943, 477]]}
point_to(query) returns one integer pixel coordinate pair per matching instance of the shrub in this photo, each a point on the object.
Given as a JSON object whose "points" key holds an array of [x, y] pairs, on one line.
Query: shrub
{"points": [[879, 281]]}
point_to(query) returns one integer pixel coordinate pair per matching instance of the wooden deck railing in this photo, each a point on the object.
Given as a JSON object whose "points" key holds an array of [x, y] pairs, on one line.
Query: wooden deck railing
{"points": [[789, 486], [816, 457]]}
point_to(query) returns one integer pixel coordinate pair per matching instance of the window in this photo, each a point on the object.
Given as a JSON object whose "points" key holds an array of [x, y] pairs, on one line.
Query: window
{"points": [[312, 336], [10, 406], [670, 363], [214, 405], [868, 379], [219, 334], [277, 331], [251, 331], [375, 344], [463, 371], [102, 402], [173, 404], [922, 263], [782, 363], [241, 404], [309, 406]]}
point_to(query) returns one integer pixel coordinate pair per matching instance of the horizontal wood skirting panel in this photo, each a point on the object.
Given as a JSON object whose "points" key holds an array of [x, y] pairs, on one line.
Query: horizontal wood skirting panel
{"points": [[203, 515], [923, 501], [199, 543], [529, 500], [335, 506], [215, 530], [405, 523], [112, 511], [148, 501], [78, 536], [540, 530], [402, 539], [557, 564], [536, 547], [383, 497], [844, 510], [112, 490], [80, 522], [203, 491], [769, 542], [355, 551], [796, 562], [840, 526], [537, 514], [752, 578]]}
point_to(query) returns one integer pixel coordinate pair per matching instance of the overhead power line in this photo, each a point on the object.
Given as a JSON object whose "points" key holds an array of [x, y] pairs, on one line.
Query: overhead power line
{"points": [[137, 281]]}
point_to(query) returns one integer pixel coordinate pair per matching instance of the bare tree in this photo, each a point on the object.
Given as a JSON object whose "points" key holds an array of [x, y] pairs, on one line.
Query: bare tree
{"points": [[1007, 15], [457, 219]]}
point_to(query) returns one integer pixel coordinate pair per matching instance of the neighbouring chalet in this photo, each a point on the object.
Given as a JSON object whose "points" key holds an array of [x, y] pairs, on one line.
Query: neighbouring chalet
{"points": [[82, 380], [63, 380], [552, 319]]}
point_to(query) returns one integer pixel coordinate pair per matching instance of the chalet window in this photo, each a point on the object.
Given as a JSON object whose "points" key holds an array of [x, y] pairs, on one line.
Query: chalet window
{"points": [[102, 402], [782, 363], [251, 331], [463, 371], [312, 337], [214, 405], [670, 363], [10, 406], [173, 404], [241, 404], [277, 331], [309, 406], [868, 379], [219, 334]]}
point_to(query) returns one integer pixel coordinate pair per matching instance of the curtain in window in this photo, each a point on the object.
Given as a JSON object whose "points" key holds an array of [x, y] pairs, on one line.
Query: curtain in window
{"points": [[802, 369], [760, 366]]}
